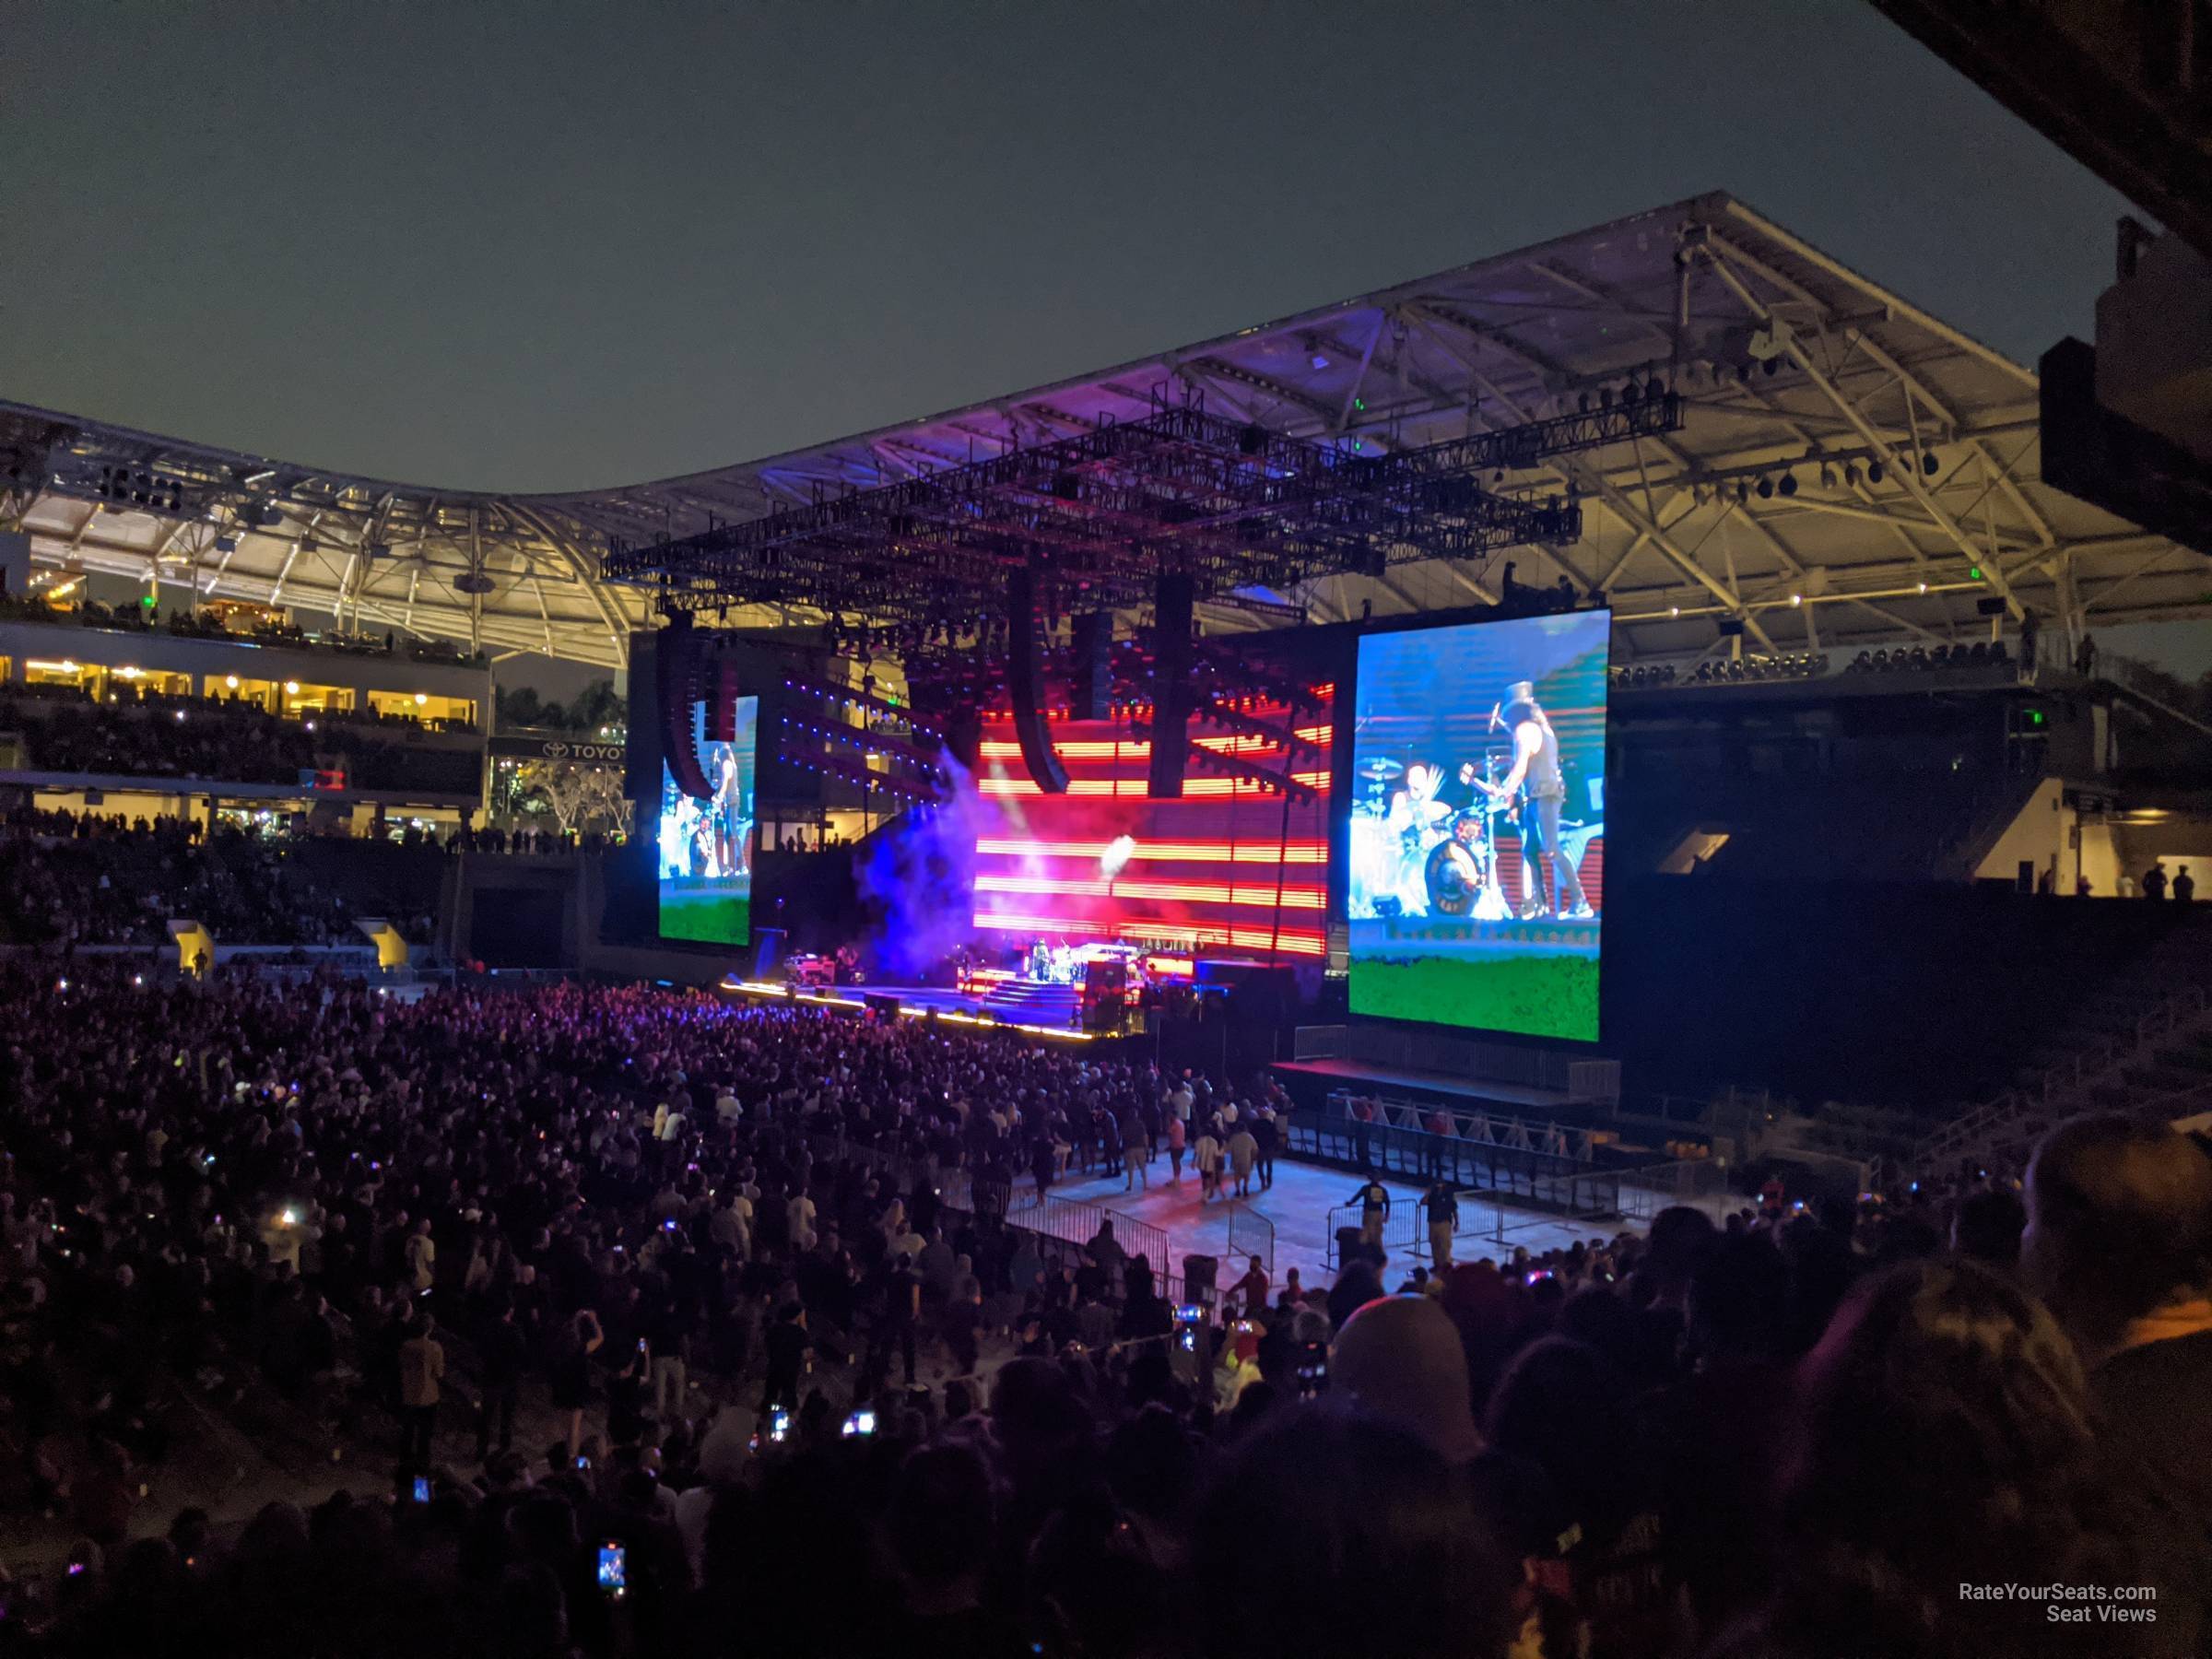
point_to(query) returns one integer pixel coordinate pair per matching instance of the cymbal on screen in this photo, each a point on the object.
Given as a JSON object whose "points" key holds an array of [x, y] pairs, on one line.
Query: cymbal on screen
{"points": [[1381, 767]]}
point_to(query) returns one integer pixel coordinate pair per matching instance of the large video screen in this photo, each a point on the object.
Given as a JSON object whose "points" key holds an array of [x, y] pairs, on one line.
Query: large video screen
{"points": [[705, 861], [1474, 858]]}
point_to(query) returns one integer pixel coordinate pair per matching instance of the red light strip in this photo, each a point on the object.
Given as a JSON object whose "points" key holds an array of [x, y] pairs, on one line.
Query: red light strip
{"points": [[1173, 892], [1135, 786], [1212, 852], [1292, 942]]}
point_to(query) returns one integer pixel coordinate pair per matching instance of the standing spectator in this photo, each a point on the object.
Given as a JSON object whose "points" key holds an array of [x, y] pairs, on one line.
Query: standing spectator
{"points": [[1175, 1146], [2119, 1243], [581, 1338], [1208, 1156], [502, 1352], [2153, 880], [2184, 885], [421, 1369], [669, 1337], [422, 1251], [1243, 1152], [1941, 1376], [1136, 1149], [1265, 1132], [799, 1217], [1443, 1206], [1250, 1291], [788, 1345], [1373, 1199]]}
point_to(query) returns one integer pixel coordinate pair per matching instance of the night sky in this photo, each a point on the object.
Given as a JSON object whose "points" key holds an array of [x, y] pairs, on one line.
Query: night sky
{"points": [[542, 246], [539, 246]]}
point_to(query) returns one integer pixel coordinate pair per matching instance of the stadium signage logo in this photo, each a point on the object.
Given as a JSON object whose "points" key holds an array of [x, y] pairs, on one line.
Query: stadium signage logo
{"points": [[558, 749]]}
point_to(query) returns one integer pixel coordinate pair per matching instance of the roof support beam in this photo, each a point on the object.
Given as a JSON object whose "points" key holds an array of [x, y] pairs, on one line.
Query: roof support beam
{"points": [[1908, 472]]}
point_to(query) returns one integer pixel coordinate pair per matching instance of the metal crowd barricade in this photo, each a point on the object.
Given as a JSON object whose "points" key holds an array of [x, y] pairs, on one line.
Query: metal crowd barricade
{"points": [[1401, 1229], [1250, 1234]]}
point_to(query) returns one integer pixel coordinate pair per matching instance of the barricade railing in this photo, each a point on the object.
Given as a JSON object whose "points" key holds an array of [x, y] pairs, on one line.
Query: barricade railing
{"points": [[1250, 1234], [1645, 1191], [1500, 1155], [1398, 1235]]}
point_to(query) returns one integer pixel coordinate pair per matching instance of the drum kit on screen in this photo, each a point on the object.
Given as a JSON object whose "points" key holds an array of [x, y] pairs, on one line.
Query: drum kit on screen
{"points": [[1414, 855]]}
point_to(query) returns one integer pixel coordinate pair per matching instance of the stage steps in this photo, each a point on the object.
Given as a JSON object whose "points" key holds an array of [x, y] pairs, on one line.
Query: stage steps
{"points": [[1033, 1003]]}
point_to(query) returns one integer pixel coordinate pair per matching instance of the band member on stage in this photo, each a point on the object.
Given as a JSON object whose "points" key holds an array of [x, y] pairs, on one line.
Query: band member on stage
{"points": [[1536, 771]]}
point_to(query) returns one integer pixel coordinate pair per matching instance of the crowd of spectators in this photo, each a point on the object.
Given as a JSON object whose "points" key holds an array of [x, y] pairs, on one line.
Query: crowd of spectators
{"points": [[69, 880], [194, 624], [155, 735], [722, 1245]]}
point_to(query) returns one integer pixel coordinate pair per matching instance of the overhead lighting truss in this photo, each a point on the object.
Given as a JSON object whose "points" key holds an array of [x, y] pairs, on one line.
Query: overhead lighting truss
{"points": [[1104, 514]]}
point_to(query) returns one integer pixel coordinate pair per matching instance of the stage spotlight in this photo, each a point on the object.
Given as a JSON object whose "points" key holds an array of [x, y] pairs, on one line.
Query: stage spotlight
{"points": [[1874, 472], [1851, 475], [1774, 367], [1766, 490], [1318, 360], [1115, 859], [1788, 485], [1929, 464]]}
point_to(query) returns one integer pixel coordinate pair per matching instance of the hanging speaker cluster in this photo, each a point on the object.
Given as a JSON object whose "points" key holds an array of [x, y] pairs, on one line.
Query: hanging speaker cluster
{"points": [[1025, 677], [1173, 603], [682, 667], [722, 708]]}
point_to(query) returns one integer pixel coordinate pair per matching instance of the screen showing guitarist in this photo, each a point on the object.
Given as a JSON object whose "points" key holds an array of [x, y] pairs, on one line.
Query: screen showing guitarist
{"points": [[1536, 778]]}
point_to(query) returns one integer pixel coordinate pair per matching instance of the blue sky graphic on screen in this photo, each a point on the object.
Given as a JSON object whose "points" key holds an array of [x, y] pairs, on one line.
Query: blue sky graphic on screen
{"points": [[1474, 855], [706, 847]]}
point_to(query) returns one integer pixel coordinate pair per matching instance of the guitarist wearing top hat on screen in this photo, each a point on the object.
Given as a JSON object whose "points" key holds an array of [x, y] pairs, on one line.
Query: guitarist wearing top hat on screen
{"points": [[1536, 771]]}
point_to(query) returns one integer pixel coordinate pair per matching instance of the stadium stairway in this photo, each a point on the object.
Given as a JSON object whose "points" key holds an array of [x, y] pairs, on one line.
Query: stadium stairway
{"points": [[1028, 1002], [2141, 1044]]}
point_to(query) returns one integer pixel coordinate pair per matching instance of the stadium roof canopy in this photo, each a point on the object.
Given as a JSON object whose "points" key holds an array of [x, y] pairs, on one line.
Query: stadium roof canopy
{"points": [[1849, 469]]}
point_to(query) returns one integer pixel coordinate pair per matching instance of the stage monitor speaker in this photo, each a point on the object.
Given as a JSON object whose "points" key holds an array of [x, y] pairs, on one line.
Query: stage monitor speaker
{"points": [[1352, 1246], [1025, 681], [1093, 686], [680, 689], [1199, 1272], [1174, 600], [883, 1008]]}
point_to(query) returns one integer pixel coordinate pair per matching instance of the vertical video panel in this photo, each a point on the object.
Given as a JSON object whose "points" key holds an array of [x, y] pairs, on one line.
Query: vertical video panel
{"points": [[1475, 852], [705, 855]]}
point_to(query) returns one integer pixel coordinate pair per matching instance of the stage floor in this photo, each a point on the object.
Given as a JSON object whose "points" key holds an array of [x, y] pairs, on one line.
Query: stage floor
{"points": [[1298, 1206]]}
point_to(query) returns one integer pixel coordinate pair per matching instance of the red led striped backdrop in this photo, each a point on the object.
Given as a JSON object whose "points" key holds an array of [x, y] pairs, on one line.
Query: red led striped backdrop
{"points": [[1225, 870]]}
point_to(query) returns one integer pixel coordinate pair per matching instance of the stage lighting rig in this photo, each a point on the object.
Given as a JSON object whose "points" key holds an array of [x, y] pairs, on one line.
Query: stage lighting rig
{"points": [[1097, 518]]}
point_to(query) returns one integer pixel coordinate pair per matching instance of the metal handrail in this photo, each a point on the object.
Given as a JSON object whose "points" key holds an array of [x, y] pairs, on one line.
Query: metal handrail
{"points": [[2087, 1067]]}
